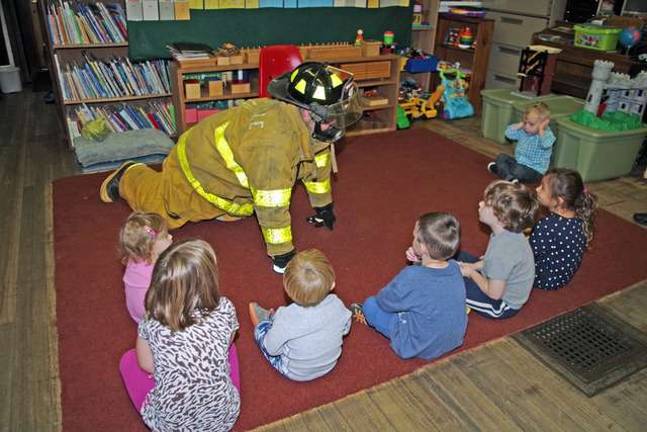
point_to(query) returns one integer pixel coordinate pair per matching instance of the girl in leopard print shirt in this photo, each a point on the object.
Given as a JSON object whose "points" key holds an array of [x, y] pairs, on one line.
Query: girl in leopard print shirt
{"points": [[184, 341]]}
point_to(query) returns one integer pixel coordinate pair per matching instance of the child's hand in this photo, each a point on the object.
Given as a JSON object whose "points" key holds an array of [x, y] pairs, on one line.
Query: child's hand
{"points": [[411, 255], [466, 269]]}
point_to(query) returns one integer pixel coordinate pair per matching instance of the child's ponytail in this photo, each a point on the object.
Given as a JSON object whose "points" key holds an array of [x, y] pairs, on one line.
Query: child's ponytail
{"points": [[568, 185], [585, 205]]}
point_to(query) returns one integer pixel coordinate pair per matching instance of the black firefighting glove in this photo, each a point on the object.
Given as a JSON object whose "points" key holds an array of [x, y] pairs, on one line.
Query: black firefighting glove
{"points": [[280, 262], [324, 216]]}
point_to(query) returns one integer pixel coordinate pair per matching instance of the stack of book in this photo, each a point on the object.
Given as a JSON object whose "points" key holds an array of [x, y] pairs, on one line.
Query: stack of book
{"points": [[447, 6], [76, 23], [186, 51], [116, 77], [122, 117]]}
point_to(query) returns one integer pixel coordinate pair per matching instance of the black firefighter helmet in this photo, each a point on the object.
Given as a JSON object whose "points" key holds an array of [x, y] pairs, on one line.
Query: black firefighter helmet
{"points": [[329, 93]]}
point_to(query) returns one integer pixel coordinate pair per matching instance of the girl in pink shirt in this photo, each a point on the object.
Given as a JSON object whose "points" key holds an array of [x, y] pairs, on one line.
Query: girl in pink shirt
{"points": [[142, 239]]}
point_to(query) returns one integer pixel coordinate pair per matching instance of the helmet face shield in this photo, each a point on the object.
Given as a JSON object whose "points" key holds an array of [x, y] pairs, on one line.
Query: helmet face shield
{"points": [[329, 93]]}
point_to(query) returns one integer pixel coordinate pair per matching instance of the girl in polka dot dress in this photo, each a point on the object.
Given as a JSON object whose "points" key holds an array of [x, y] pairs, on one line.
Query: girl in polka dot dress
{"points": [[559, 240]]}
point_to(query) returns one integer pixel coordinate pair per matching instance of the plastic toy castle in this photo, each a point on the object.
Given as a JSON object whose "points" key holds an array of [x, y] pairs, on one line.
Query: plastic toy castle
{"points": [[612, 91]]}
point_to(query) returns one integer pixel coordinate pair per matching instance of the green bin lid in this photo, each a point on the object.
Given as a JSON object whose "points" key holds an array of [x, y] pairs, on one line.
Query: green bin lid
{"points": [[596, 29], [502, 95], [558, 105]]}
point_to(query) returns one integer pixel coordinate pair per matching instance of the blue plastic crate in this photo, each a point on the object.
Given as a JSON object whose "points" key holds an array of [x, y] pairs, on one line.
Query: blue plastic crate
{"points": [[419, 65]]}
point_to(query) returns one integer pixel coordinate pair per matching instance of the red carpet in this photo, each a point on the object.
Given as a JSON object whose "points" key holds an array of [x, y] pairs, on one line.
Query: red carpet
{"points": [[386, 181]]}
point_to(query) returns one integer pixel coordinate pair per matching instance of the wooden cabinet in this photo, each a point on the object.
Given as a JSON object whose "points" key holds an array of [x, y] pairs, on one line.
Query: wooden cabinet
{"points": [[474, 59], [203, 90], [378, 76], [574, 65]]}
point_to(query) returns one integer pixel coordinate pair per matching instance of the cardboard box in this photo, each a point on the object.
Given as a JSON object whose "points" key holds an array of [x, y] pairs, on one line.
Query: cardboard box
{"points": [[371, 48], [236, 60], [330, 52], [240, 87], [252, 55], [216, 88], [223, 61], [192, 89]]}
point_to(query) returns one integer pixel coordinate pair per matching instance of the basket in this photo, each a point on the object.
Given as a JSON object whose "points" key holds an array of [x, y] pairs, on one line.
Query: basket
{"points": [[419, 65], [596, 37]]}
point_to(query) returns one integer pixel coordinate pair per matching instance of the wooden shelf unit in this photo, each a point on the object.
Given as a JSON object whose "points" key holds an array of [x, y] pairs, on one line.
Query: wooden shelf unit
{"points": [[376, 118], [475, 59], [75, 52], [424, 38]]}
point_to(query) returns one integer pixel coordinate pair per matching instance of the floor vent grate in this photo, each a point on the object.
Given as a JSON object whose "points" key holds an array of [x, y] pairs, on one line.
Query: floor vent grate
{"points": [[590, 347]]}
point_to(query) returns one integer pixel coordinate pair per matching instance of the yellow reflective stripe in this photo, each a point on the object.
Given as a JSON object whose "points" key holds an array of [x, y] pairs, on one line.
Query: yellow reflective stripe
{"points": [[301, 86], [321, 160], [277, 235], [318, 187], [272, 198], [228, 156], [245, 209]]}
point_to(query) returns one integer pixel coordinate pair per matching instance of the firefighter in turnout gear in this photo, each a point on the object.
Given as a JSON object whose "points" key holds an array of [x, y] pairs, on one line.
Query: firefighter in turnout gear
{"points": [[246, 160]]}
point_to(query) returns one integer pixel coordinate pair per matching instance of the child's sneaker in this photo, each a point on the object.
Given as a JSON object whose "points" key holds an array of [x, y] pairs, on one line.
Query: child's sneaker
{"points": [[492, 168], [358, 313], [258, 314]]}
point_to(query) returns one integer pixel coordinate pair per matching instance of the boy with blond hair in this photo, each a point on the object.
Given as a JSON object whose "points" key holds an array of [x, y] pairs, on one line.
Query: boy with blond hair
{"points": [[303, 341], [533, 150]]}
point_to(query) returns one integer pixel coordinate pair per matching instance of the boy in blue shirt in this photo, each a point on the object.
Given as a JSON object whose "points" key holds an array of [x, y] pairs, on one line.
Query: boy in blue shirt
{"points": [[422, 310], [533, 150]]}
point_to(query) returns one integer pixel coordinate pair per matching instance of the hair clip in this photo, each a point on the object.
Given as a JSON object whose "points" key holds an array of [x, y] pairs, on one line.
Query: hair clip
{"points": [[151, 232]]}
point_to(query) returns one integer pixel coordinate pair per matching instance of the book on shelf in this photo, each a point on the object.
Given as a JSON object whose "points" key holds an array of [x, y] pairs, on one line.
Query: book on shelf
{"points": [[115, 77], [79, 23], [122, 117]]}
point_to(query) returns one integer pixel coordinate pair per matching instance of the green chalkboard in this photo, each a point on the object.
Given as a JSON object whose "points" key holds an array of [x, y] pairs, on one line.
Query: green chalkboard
{"points": [[255, 27]]}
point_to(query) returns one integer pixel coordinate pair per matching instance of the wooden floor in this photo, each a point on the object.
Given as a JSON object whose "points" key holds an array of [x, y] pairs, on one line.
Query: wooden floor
{"points": [[495, 387]]}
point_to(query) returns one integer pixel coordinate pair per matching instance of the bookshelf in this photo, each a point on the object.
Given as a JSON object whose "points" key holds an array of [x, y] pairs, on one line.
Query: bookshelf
{"points": [[423, 37], [91, 74], [474, 59], [378, 75]]}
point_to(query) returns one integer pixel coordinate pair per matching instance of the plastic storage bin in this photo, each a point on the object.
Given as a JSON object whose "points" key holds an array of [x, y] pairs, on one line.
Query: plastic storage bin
{"points": [[10, 79], [596, 37], [559, 106], [419, 65], [498, 111], [596, 154]]}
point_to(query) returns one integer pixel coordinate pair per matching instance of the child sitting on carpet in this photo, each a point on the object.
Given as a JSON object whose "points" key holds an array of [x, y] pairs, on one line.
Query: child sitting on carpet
{"points": [[422, 310], [185, 341], [303, 341], [499, 284], [142, 238], [559, 240], [533, 150]]}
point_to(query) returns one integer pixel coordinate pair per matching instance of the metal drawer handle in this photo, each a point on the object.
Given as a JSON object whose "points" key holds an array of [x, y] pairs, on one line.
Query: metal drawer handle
{"points": [[505, 79], [506, 50], [516, 21]]}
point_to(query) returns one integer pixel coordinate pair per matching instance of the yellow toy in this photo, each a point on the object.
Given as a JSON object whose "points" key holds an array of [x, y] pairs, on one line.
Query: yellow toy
{"points": [[417, 107]]}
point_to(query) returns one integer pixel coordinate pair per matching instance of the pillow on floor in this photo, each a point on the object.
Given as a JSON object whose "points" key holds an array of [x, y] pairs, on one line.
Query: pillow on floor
{"points": [[143, 145]]}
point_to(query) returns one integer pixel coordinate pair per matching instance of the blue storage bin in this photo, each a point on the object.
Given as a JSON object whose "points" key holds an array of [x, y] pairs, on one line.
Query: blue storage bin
{"points": [[419, 65]]}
